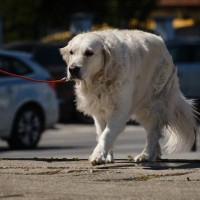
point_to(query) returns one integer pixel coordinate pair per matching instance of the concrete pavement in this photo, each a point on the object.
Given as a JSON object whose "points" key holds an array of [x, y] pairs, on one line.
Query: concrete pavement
{"points": [[51, 173], [53, 179]]}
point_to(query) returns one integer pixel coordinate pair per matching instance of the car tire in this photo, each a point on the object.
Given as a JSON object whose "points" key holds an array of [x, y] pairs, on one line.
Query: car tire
{"points": [[27, 129]]}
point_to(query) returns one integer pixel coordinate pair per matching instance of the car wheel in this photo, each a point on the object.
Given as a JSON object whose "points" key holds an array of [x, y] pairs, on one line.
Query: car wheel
{"points": [[27, 129]]}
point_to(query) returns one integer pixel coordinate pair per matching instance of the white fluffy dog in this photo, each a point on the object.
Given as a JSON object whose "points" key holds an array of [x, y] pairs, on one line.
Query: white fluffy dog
{"points": [[129, 74]]}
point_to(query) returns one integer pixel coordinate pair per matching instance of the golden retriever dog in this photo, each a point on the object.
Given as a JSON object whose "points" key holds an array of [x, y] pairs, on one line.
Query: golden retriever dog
{"points": [[129, 74]]}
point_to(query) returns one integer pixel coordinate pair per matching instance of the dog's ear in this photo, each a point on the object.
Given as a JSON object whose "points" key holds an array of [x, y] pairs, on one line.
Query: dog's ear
{"points": [[65, 53], [109, 61]]}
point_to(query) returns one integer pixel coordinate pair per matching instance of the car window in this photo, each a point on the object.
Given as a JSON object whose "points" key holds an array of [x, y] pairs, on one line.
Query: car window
{"points": [[13, 65], [197, 54], [48, 56], [181, 53], [185, 53]]}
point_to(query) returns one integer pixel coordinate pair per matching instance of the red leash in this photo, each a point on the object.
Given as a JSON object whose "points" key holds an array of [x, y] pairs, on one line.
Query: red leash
{"points": [[34, 80]]}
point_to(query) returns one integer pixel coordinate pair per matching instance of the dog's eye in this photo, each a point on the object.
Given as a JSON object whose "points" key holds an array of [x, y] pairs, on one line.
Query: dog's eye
{"points": [[71, 52], [89, 53]]}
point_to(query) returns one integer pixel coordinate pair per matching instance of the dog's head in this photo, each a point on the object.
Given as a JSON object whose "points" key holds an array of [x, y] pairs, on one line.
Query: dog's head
{"points": [[86, 55]]}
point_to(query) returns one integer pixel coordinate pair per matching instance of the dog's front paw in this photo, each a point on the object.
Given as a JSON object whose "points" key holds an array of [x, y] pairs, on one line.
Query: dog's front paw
{"points": [[98, 156], [97, 159], [142, 158]]}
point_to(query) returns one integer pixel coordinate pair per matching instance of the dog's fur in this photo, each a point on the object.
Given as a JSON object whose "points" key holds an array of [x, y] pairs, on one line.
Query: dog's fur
{"points": [[129, 74]]}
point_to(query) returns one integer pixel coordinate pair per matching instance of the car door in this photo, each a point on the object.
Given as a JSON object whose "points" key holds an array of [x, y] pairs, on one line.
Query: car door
{"points": [[10, 90], [6, 91]]}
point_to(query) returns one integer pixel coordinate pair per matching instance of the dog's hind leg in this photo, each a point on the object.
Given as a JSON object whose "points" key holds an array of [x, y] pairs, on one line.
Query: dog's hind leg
{"points": [[152, 149]]}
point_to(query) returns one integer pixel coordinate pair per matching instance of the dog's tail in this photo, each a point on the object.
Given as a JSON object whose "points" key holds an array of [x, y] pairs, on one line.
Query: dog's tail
{"points": [[182, 129]]}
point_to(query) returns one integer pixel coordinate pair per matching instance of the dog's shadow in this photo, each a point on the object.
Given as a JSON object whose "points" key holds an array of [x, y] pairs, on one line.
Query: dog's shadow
{"points": [[172, 164], [163, 164]]}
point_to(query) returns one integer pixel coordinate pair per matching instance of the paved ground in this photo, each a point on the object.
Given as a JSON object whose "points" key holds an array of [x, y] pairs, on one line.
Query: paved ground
{"points": [[67, 179], [69, 141], [50, 172]]}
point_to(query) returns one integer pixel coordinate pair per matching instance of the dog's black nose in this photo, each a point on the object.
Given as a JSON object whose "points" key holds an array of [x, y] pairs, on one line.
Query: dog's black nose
{"points": [[75, 71]]}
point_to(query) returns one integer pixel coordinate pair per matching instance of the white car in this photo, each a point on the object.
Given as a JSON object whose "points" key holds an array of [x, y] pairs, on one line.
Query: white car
{"points": [[26, 108]]}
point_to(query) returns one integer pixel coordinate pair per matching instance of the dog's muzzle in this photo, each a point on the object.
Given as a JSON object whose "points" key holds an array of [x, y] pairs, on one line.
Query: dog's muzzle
{"points": [[75, 72]]}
